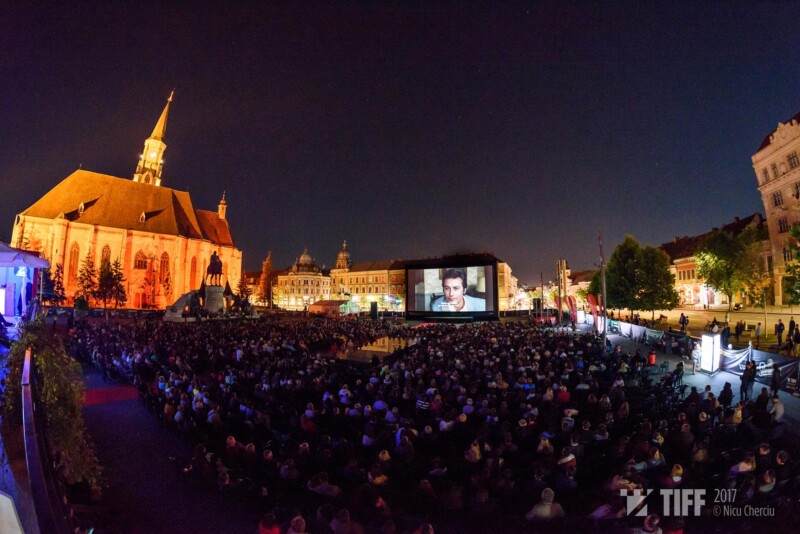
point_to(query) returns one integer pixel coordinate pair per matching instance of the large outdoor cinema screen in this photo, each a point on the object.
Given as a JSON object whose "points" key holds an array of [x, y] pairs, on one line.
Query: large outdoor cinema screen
{"points": [[452, 290]]}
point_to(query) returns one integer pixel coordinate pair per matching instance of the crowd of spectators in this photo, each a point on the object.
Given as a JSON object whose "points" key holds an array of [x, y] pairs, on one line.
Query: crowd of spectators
{"points": [[483, 427]]}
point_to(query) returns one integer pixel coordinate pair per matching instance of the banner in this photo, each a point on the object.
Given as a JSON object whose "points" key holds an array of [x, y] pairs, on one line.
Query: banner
{"points": [[733, 361], [653, 337], [572, 304], [593, 310]]}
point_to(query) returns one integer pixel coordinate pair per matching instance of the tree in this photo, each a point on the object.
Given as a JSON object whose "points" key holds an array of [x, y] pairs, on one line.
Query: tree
{"points": [[622, 287], [242, 289], [105, 283], [53, 285], [87, 279], [656, 284], [791, 282], [264, 287], [118, 294], [725, 261]]}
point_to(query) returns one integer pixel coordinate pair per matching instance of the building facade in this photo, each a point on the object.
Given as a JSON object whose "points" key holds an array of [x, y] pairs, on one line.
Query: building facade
{"points": [[383, 282], [162, 241], [776, 164], [301, 285], [692, 290], [508, 289]]}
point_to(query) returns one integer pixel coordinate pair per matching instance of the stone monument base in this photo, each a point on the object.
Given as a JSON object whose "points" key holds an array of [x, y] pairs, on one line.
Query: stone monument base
{"points": [[214, 300]]}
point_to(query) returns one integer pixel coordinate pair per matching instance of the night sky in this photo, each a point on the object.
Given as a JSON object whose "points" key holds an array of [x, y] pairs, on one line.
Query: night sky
{"points": [[411, 131]]}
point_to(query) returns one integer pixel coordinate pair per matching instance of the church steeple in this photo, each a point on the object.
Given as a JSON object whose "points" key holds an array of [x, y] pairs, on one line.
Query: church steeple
{"points": [[222, 208], [151, 161]]}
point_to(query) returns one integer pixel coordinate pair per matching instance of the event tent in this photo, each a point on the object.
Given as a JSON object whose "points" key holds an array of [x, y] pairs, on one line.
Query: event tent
{"points": [[17, 278]]}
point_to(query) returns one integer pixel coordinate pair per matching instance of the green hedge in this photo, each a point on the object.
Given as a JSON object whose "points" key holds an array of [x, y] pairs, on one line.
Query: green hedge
{"points": [[60, 394]]}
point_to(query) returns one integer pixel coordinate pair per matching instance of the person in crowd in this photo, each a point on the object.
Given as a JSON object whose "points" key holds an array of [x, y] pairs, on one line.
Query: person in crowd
{"points": [[546, 508], [459, 418]]}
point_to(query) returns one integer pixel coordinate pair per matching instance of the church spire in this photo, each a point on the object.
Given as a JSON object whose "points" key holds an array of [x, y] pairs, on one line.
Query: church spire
{"points": [[222, 208], [151, 161]]}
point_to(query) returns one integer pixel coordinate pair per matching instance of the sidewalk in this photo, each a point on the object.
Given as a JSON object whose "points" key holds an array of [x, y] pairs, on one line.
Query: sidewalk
{"points": [[701, 380]]}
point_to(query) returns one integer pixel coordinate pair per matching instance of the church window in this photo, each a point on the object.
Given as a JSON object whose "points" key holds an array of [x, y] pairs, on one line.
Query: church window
{"points": [[142, 217], [777, 199], [74, 258], [793, 160], [105, 256], [783, 225], [140, 261], [193, 273], [81, 208], [163, 271]]}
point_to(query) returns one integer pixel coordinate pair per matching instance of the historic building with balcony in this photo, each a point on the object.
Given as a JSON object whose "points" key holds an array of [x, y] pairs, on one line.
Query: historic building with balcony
{"points": [[776, 164], [161, 240], [382, 282], [301, 285]]}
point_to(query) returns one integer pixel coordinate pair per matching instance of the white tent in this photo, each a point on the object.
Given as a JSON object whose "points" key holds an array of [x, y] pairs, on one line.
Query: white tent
{"points": [[14, 257], [9, 520], [15, 274]]}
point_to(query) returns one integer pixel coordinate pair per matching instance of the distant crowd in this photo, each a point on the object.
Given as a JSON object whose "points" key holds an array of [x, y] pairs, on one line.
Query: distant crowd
{"points": [[484, 427]]}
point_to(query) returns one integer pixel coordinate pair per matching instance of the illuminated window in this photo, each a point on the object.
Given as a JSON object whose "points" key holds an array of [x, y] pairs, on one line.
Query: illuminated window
{"points": [[193, 273], [793, 160], [777, 199], [783, 225], [163, 271], [140, 261], [787, 254], [74, 258]]}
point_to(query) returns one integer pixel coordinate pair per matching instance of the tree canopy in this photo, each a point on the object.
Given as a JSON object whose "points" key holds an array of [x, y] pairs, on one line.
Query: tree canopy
{"points": [[638, 278], [730, 263]]}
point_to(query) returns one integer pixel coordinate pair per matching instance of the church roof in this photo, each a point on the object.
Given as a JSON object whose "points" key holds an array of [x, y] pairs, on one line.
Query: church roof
{"points": [[93, 198]]}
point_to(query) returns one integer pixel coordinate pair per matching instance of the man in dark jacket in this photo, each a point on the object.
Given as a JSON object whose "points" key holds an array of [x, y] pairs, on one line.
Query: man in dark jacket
{"points": [[775, 383], [747, 378]]}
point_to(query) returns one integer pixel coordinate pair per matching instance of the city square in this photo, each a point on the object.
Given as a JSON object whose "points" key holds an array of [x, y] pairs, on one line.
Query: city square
{"points": [[268, 321]]}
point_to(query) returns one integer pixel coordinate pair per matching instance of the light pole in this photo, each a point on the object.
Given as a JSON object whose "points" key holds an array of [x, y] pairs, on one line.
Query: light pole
{"points": [[603, 286]]}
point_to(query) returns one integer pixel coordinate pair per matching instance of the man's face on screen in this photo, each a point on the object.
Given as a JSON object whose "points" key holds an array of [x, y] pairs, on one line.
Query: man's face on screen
{"points": [[453, 290]]}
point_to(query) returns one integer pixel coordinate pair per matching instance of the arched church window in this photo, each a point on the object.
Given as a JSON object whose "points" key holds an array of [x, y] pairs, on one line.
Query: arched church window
{"points": [[140, 261], [105, 256], [163, 270], [74, 258], [193, 273]]}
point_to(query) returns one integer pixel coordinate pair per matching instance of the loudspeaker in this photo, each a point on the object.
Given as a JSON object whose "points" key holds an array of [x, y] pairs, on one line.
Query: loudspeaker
{"points": [[373, 310]]}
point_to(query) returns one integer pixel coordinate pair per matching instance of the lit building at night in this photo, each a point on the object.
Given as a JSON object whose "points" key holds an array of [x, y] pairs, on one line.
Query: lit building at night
{"points": [[161, 240], [301, 285], [692, 289], [777, 167], [383, 282]]}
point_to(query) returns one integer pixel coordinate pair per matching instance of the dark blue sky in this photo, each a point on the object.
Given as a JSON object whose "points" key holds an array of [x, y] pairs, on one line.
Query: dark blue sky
{"points": [[410, 130]]}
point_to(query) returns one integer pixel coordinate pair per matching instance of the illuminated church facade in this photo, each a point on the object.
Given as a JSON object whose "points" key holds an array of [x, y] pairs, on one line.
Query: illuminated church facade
{"points": [[161, 240]]}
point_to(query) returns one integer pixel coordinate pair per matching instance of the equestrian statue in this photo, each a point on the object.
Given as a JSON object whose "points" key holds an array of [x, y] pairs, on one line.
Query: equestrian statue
{"points": [[214, 270]]}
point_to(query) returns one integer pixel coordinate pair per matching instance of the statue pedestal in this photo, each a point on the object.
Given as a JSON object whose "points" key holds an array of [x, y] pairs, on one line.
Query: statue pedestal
{"points": [[214, 301]]}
